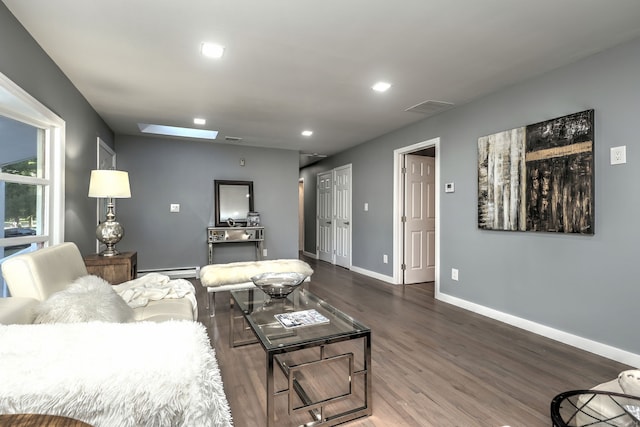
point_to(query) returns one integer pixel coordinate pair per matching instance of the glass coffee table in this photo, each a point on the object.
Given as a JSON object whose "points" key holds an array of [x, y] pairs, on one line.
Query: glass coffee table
{"points": [[317, 373]]}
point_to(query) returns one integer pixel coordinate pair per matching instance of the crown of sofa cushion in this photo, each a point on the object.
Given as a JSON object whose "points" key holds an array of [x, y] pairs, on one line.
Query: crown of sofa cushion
{"points": [[88, 298]]}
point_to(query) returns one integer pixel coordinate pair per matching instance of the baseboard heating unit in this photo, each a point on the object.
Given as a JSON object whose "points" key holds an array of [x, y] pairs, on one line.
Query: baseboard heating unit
{"points": [[174, 273]]}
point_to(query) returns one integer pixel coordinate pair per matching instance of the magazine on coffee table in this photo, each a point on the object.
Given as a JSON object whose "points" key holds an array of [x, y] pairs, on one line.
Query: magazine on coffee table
{"points": [[298, 319]]}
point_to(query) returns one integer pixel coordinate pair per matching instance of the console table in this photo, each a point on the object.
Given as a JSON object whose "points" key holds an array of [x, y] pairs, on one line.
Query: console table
{"points": [[219, 235]]}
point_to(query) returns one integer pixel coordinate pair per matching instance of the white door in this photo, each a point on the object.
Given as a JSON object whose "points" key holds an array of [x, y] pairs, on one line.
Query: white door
{"points": [[420, 223], [342, 217], [325, 216]]}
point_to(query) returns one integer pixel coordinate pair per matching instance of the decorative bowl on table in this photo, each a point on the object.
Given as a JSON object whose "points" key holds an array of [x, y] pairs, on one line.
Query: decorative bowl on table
{"points": [[278, 285]]}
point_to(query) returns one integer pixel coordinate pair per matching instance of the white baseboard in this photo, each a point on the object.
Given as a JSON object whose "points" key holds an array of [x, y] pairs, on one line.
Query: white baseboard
{"points": [[591, 346], [310, 254], [373, 274], [174, 273]]}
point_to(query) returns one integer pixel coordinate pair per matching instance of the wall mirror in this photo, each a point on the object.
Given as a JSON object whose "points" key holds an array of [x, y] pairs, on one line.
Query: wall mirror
{"points": [[234, 199]]}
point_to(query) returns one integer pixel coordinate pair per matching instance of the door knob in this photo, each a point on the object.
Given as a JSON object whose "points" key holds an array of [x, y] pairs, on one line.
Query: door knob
{"points": [[346, 223]]}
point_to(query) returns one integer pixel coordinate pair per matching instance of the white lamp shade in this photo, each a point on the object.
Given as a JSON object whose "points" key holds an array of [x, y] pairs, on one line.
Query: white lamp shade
{"points": [[109, 183]]}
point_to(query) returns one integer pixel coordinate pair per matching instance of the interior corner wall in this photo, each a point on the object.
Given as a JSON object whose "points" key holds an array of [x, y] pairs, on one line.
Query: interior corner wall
{"points": [[28, 66], [164, 170], [582, 285]]}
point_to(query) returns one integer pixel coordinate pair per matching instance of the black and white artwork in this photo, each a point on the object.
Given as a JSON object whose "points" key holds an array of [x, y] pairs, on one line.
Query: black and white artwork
{"points": [[559, 174], [501, 181], [539, 177]]}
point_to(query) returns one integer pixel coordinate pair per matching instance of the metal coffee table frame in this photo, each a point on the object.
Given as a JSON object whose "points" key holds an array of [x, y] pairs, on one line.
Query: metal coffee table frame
{"points": [[579, 408], [257, 314]]}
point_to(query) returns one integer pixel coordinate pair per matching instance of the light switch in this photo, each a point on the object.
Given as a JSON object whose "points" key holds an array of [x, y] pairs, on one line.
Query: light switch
{"points": [[366, 207]]}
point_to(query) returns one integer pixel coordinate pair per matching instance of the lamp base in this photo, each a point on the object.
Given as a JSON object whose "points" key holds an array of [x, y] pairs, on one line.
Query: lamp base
{"points": [[109, 252], [109, 232]]}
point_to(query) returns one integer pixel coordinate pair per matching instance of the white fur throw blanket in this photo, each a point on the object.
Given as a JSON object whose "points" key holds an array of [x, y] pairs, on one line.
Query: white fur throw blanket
{"points": [[155, 286], [113, 374], [241, 272]]}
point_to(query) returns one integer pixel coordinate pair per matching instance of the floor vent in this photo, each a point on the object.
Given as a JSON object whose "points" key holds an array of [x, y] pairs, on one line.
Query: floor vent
{"points": [[175, 273], [430, 107]]}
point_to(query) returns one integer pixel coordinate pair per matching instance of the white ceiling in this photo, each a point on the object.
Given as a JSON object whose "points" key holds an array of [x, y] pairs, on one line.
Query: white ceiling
{"points": [[291, 65]]}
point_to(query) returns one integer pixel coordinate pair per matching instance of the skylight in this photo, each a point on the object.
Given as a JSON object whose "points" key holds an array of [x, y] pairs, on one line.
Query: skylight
{"points": [[177, 131]]}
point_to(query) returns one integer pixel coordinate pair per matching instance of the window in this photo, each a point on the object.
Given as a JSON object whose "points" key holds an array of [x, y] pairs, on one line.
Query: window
{"points": [[31, 173]]}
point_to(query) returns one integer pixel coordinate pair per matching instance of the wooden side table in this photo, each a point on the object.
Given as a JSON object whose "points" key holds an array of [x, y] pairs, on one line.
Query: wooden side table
{"points": [[114, 269]]}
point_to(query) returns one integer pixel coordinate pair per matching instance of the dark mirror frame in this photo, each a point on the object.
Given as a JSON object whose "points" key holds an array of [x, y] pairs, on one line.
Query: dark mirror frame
{"points": [[222, 222]]}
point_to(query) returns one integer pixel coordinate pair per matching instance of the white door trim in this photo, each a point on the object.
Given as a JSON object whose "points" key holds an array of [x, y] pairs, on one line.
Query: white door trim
{"points": [[398, 155], [301, 214]]}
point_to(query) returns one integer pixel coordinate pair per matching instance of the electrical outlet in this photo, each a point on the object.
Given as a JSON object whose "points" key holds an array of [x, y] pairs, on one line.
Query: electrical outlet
{"points": [[174, 207], [385, 259], [454, 274], [264, 252], [619, 155]]}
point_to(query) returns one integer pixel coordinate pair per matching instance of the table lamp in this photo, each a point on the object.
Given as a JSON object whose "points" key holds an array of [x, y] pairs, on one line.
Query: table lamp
{"points": [[109, 184]]}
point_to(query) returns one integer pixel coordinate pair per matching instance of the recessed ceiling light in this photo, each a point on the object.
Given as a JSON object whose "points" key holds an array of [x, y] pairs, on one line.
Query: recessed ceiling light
{"points": [[381, 86], [198, 121], [211, 50], [177, 131], [307, 132]]}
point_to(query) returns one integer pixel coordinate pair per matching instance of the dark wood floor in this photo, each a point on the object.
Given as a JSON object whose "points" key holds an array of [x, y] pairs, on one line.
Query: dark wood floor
{"points": [[433, 363]]}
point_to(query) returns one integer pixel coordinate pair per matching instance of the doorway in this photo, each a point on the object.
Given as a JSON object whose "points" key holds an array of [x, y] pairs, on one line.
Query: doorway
{"points": [[416, 237], [418, 217]]}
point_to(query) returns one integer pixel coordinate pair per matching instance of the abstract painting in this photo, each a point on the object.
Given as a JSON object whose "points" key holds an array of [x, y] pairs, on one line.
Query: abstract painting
{"points": [[559, 174], [501, 181], [539, 177]]}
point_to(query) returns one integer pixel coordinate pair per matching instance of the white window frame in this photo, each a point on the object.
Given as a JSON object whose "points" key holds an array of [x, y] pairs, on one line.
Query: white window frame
{"points": [[18, 105]]}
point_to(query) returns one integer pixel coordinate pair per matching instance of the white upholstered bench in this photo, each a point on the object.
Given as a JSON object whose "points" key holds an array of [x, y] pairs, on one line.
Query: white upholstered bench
{"points": [[237, 275]]}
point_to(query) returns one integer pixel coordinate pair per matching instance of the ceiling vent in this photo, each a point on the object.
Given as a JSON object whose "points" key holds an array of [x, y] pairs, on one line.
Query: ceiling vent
{"points": [[430, 107], [232, 138]]}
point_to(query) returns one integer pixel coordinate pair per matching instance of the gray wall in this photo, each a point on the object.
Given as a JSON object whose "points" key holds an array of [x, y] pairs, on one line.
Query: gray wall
{"points": [[23, 61], [583, 285], [164, 171]]}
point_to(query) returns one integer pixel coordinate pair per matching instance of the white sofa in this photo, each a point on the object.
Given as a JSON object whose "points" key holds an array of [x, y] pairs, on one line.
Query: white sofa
{"points": [[38, 275], [157, 369]]}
